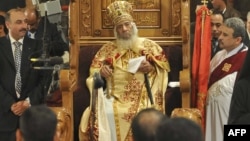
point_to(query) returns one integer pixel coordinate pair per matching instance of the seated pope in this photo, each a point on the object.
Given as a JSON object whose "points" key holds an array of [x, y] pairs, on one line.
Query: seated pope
{"points": [[127, 75]]}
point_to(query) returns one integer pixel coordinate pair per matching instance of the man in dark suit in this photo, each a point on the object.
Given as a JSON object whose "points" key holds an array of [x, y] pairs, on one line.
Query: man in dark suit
{"points": [[216, 22], [15, 100], [55, 47]]}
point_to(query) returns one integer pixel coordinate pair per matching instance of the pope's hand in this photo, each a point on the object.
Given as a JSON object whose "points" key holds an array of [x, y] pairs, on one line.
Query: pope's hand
{"points": [[145, 67], [106, 71]]}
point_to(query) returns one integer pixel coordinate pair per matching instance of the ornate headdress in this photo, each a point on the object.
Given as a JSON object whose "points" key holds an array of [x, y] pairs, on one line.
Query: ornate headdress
{"points": [[120, 11]]}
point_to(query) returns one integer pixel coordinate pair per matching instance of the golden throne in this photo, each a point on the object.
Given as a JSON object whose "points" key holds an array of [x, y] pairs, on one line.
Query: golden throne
{"points": [[167, 22]]}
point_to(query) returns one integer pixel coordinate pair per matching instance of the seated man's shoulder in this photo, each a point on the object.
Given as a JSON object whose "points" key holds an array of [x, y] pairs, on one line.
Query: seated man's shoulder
{"points": [[110, 44], [147, 41], [107, 46]]}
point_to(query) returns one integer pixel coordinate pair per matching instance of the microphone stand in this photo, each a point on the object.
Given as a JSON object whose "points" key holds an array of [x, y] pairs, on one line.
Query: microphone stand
{"points": [[45, 43], [45, 54]]}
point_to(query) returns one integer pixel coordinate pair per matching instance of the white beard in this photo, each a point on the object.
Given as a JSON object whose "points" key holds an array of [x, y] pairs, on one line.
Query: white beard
{"points": [[127, 43]]}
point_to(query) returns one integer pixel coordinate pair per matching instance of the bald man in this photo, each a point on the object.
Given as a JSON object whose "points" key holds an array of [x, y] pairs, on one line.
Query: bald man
{"points": [[56, 47], [145, 123], [227, 11], [36, 25]]}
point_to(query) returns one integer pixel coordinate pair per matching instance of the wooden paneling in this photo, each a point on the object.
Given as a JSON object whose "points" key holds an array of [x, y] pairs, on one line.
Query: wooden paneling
{"points": [[159, 20]]}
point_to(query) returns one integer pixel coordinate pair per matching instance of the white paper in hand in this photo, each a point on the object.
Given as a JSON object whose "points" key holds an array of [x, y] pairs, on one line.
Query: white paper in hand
{"points": [[134, 63]]}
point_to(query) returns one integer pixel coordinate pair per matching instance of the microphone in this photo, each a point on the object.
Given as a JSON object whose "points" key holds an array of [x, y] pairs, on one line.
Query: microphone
{"points": [[55, 67], [51, 60]]}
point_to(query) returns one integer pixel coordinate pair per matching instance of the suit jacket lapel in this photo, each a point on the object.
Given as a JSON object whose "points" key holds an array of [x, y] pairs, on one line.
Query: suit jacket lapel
{"points": [[26, 52], [7, 49]]}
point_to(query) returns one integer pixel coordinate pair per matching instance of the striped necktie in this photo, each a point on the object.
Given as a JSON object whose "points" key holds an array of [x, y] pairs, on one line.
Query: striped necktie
{"points": [[18, 55]]}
